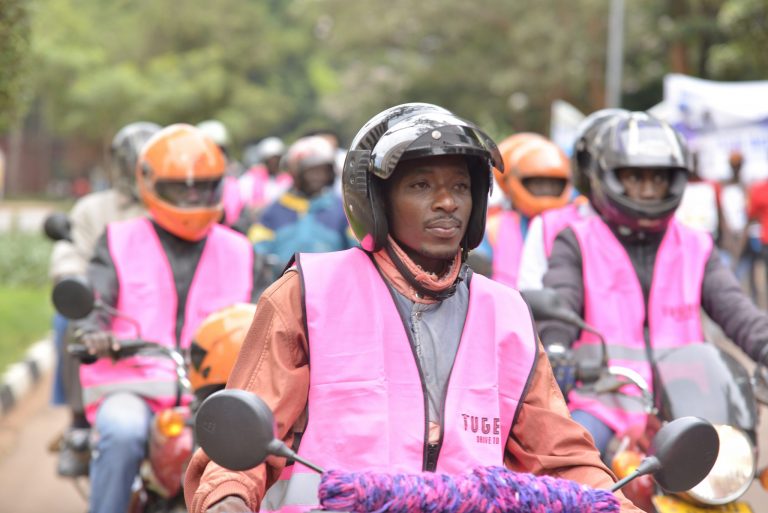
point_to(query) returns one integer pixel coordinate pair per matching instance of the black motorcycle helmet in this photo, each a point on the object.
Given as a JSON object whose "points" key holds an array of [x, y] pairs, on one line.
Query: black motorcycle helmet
{"points": [[124, 151], [636, 140], [581, 158], [411, 131]]}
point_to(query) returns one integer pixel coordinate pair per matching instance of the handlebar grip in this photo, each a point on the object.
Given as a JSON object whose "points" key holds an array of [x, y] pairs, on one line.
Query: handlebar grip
{"points": [[80, 351], [587, 372], [128, 347]]}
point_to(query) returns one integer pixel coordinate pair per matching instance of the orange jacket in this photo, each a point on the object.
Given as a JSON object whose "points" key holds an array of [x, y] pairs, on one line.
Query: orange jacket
{"points": [[274, 363]]}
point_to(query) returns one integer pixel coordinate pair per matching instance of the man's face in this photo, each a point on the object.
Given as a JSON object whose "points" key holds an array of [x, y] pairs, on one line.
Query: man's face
{"points": [[642, 184], [273, 165], [312, 180], [429, 201]]}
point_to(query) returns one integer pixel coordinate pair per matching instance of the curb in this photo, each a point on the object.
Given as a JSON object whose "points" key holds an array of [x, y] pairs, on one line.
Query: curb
{"points": [[20, 377]]}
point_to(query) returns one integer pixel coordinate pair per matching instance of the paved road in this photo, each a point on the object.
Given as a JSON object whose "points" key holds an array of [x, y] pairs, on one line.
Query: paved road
{"points": [[28, 481]]}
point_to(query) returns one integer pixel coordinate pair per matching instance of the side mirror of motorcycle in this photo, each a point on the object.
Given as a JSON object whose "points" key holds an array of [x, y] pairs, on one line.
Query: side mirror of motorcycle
{"points": [[73, 297], [547, 305], [57, 227], [682, 453], [231, 415]]}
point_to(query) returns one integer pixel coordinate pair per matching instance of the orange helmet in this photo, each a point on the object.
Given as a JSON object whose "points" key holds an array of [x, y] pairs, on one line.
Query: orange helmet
{"points": [[179, 177], [527, 156], [216, 345]]}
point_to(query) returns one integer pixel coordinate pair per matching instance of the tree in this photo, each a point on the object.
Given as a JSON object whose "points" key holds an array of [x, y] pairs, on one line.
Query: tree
{"points": [[14, 34]]}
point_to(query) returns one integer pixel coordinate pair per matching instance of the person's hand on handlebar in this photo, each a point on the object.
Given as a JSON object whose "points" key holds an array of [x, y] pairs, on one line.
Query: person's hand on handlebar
{"points": [[100, 343], [229, 504]]}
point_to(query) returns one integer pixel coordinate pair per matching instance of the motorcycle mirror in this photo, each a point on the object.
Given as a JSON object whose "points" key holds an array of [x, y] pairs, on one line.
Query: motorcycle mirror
{"points": [[682, 453], [230, 415], [73, 297], [57, 227], [547, 305]]}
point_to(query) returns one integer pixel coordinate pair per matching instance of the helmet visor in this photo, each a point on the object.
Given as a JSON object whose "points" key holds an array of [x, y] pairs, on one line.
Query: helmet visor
{"points": [[433, 134], [199, 193]]}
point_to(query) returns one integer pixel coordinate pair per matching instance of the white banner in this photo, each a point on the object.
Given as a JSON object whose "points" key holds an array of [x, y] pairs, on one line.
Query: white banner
{"points": [[563, 123], [720, 117]]}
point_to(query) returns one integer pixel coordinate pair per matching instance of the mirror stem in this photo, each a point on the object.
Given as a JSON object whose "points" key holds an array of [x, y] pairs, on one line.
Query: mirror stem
{"points": [[278, 448], [647, 466]]}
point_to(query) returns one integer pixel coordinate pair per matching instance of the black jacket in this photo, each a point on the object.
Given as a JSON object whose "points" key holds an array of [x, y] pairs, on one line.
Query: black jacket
{"points": [[721, 296]]}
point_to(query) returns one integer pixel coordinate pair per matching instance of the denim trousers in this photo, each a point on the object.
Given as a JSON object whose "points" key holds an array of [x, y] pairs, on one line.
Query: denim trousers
{"points": [[122, 429], [600, 432]]}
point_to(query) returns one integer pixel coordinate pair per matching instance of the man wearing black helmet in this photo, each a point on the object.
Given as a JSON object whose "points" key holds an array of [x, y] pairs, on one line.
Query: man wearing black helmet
{"points": [[394, 356], [88, 219], [636, 273]]}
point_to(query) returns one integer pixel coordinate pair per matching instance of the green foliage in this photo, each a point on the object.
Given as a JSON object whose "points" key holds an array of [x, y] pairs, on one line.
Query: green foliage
{"points": [[743, 55], [25, 317], [279, 67], [14, 43], [24, 260], [105, 64]]}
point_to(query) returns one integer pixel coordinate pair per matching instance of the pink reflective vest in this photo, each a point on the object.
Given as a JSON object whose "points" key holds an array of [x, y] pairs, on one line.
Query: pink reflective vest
{"points": [[258, 189], [507, 248], [367, 407], [554, 220], [230, 198], [614, 304], [148, 295]]}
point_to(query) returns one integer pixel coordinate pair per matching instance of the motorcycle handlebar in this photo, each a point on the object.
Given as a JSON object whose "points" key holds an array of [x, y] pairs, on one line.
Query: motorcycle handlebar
{"points": [[128, 347]]}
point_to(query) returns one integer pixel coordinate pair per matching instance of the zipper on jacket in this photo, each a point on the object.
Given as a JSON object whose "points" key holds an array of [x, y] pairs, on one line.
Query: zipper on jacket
{"points": [[433, 450]]}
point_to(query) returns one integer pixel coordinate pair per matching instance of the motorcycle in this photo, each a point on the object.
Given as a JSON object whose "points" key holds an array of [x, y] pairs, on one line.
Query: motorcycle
{"points": [[682, 454], [159, 484], [698, 380]]}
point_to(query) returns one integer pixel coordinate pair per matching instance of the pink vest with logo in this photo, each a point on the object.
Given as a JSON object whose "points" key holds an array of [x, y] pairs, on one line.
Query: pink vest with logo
{"points": [[554, 220], [508, 248], [614, 304], [148, 295], [367, 406]]}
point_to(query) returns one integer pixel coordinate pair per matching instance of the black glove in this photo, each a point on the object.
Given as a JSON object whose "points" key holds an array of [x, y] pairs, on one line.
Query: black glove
{"points": [[563, 365]]}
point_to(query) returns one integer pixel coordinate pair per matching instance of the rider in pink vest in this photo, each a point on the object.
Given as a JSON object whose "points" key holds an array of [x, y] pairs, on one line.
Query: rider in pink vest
{"points": [[154, 308], [166, 274], [633, 273], [537, 180], [394, 356]]}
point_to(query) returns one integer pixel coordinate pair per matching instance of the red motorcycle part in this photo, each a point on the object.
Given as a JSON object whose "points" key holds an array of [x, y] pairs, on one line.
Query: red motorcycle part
{"points": [[170, 447]]}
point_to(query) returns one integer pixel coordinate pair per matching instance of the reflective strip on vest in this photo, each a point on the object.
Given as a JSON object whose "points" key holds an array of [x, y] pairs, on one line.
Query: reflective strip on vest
{"points": [[148, 389], [507, 248], [367, 409], [614, 304], [147, 293]]}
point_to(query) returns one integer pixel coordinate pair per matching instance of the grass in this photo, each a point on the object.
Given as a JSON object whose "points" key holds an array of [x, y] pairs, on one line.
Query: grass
{"points": [[25, 317], [25, 305]]}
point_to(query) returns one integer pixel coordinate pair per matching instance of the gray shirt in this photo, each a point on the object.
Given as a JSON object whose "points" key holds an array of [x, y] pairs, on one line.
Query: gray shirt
{"points": [[435, 331]]}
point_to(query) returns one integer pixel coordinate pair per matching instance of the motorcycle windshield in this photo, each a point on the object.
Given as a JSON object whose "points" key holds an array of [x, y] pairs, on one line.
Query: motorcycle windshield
{"points": [[703, 381]]}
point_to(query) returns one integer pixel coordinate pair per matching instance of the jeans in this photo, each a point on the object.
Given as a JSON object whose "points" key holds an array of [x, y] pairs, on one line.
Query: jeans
{"points": [[600, 432], [58, 394], [122, 429]]}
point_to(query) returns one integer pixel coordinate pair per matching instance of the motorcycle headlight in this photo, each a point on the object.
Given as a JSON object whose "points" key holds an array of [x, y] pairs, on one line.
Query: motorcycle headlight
{"points": [[733, 471]]}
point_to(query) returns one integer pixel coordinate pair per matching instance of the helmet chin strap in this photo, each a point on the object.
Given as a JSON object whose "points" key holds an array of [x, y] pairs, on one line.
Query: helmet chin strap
{"points": [[420, 289]]}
